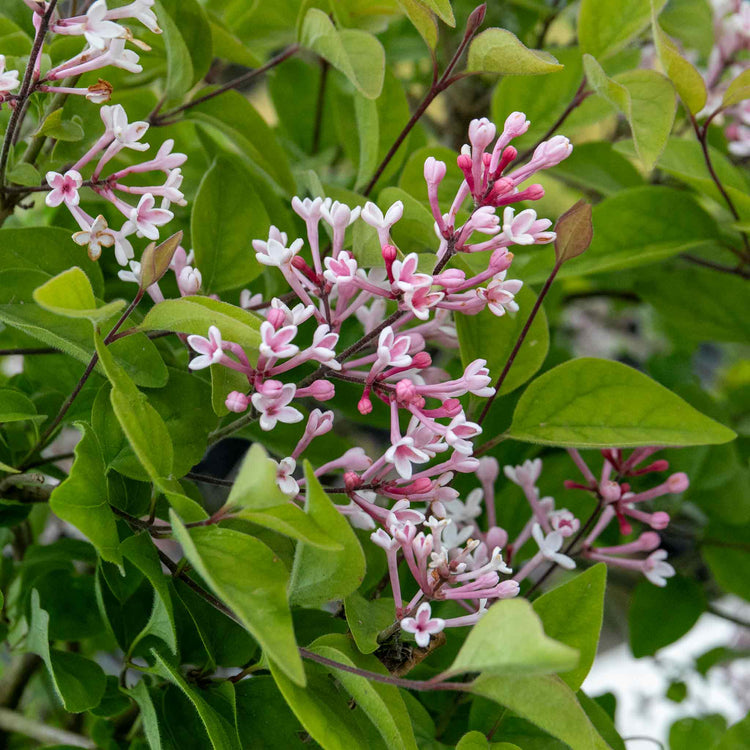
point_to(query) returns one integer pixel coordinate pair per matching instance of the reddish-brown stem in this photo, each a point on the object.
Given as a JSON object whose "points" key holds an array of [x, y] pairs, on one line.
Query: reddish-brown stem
{"points": [[520, 340], [438, 86], [165, 118]]}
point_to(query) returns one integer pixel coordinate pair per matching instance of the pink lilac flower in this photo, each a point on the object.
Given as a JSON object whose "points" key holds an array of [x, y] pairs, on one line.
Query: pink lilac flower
{"points": [[272, 401], [423, 626], [210, 349], [64, 188]]}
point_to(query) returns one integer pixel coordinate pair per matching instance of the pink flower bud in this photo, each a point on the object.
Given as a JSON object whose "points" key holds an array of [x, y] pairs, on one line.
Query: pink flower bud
{"points": [[659, 520], [464, 164], [434, 170], [515, 124], [496, 537], [649, 540], [419, 486], [507, 589], [509, 154], [301, 265], [611, 491], [450, 278], [678, 482], [352, 481], [390, 253], [552, 152], [276, 317], [237, 402], [364, 406], [321, 390], [481, 133], [421, 360], [502, 187], [500, 260]]}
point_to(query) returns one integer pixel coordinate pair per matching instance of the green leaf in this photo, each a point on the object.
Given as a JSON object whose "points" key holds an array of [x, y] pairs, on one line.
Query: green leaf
{"points": [[442, 9], [597, 166], [228, 47], [572, 614], [606, 26], [140, 550], [61, 129], [323, 710], [250, 579], [477, 741], [82, 499], [597, 403], [187, 42], [196, 314], [221, 729], [686, 300], [725, 551], [546, 701], [141, 423], [682, 598], [79, 682], [738, 90], [17, 407], [367, 619], [694, 733], [509, 640], [356, 54], [474, 331], [500, 51], [25, 174], [135, 353], [255, 487], [368, 130], [601, 720], [140, 694], [422, 20], [574, 232], [227, 214], [20, 250], [263, 717], [320, 576], [234, 116], [630, 231], [293, 522], [646, 98], [382, 703], [736, 737], [70, 294], [691, 87]]}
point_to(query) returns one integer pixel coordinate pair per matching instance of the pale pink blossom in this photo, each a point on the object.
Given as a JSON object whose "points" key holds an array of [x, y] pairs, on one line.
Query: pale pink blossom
{"points": [[210, 349], [272, 400], [64, 188]]}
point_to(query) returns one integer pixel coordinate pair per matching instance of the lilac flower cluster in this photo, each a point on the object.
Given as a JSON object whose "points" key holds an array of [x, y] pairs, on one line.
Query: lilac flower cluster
{"points": [[105, 46], [728, 59], [404, 493]]}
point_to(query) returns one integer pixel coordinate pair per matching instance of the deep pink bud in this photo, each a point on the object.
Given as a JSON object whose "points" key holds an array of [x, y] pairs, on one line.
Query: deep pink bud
{"points": [[421, 360], [237, 402], [299, 263], [502, 187], [660, 465], [352, 481], [509, 154], [659, 521], [451, 407], [678, 482], [276, 317], [365, 405], [390, 253], [418, 486], [464, 164]]}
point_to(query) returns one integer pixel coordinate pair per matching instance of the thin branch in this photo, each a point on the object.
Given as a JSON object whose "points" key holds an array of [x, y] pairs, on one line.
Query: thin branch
{"points": [[579, 97], [437, 87], [165, 118], [26, 89], [726, 616], [26, 352], [743, 273], [12, 721], [520, 340]]}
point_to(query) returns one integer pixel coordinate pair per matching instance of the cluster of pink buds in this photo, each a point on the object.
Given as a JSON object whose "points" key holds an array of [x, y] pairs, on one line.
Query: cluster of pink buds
{"points": [[143, 219], [105, 45], [728, 59], [399, 313]]}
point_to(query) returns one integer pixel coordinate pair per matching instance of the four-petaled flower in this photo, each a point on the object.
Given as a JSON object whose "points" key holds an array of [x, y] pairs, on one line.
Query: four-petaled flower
{"points": [[144, 219], [656, 569], [550, 546], [8, 78], [500, 294], [210, 349], [423, 626], [284, 476], [402, 454], [272, 403], [64, 188], [97, 236]]}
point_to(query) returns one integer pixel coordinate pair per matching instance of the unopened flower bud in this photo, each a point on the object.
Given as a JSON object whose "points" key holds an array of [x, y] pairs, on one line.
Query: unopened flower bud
{"points": [[659, 520], [189, 280], [276, 317], [610, 491], [352, 481], [321, 390], [237, 402], [434, 170], [364, 406], [496, 537], [421, 360], [419, 486], [678, 482], [649, 540]]}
